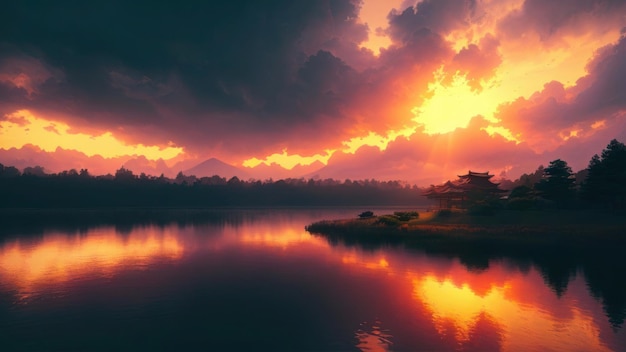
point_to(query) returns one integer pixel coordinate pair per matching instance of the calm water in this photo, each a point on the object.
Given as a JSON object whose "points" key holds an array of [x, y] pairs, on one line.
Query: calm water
{"points": [[255, 280]]}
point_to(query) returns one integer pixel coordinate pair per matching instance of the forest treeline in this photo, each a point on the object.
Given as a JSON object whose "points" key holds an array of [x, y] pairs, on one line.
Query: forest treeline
{"points": [[601, 184], [71, 189]]}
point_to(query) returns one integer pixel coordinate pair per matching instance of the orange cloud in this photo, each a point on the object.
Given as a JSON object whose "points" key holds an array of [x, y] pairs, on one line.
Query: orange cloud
{"points": [[50, 135], [374, 14], [312, 90], [425, 159]]}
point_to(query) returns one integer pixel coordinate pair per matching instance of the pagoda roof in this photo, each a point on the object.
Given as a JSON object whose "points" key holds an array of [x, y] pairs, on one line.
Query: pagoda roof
{"points": [[473, 181], [471, 173]]}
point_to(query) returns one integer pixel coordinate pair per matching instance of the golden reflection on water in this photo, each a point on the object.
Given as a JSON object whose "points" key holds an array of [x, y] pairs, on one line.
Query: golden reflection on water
{"points": [[497, 307], [462, 308], [271, 239], [502, 308], [381, 263], [273, 236], [60, 257], [373, 338]]}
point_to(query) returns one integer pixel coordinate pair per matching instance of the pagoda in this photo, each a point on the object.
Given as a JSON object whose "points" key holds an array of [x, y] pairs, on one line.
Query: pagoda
{"points": [[473, 185]]}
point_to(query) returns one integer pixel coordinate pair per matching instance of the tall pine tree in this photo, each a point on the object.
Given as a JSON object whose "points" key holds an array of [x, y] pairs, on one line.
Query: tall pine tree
{"points": [[557, 183], [606, 181]]}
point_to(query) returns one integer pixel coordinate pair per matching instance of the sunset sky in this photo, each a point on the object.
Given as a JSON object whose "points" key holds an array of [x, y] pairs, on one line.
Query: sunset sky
{"points": [[412, 90]]}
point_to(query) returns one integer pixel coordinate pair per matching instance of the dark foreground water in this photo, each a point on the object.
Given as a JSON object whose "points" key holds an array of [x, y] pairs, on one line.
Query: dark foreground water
{"points": [[255, 280]]}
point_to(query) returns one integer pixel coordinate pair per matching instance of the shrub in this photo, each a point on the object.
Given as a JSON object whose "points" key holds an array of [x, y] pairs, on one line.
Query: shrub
{"points": [[366, 214], [388, 220], [406, 215]]}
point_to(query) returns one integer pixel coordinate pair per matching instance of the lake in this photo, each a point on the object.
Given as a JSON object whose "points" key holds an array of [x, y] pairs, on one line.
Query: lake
{"points": [[256, 280]]}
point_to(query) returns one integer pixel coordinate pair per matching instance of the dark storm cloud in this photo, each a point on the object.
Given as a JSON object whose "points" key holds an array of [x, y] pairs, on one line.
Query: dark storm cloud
{"points": [[211, 46], [338, 31], [138, 62], [16, 87], [439, 16], [243, 76], [547, 18], [605, 86], [322, 84], [12, 98]]}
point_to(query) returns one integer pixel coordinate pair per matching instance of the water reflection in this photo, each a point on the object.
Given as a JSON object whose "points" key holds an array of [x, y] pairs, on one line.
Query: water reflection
{"points": [[463, 312], [604, 271], [500, 308], [262, 282], [372, 337], [274, 237], [59, 257]]}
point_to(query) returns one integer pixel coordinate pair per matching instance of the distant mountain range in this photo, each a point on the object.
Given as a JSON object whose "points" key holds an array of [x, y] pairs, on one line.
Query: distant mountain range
{"points": [[347, 167], [63, 159], [215, 166]]}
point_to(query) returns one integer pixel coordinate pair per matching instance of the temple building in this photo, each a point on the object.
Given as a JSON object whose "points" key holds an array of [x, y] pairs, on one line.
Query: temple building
{"points": [[474, 186]]}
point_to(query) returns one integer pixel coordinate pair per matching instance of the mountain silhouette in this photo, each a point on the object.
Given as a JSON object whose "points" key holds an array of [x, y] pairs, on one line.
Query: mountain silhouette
{"points": [[215, 166], [277, 172]]}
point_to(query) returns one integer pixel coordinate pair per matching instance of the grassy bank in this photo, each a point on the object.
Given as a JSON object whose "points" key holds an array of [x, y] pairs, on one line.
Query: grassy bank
{"points": [[561, 228]]}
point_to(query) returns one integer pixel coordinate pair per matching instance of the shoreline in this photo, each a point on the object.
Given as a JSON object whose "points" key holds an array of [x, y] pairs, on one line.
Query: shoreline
{"points": [[524, 230]]}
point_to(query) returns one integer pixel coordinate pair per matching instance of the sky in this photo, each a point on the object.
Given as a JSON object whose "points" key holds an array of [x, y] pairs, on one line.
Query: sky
{"points": [[418, 91]]}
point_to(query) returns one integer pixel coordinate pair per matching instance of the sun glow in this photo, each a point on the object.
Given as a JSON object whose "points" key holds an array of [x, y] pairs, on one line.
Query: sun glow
{"points": [[22, 127], [451, 106], [452, 100]]}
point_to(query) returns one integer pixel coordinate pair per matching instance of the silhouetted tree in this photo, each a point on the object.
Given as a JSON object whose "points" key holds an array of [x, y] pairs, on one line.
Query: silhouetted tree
{"points": [[234, 181], [558, 182], [34, 170], [213, 181], [606, 180], [183, 179], [521, 192], [529, 180], [9, 171], [124, 174], [78, 189], [522, 198], [68, 173]]}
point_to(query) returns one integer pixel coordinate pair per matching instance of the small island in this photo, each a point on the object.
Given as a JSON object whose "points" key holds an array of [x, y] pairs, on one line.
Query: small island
{"points": [[519, 230], [555, 212]]}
